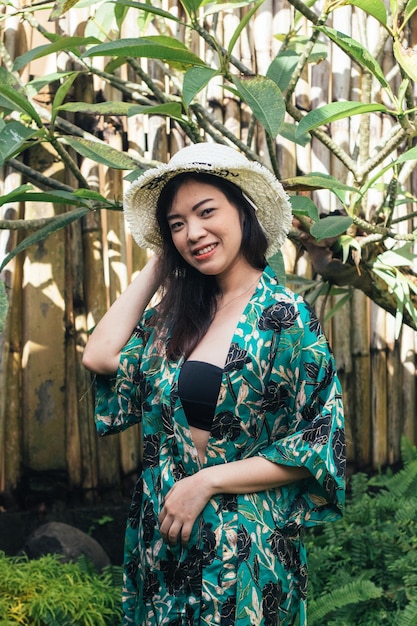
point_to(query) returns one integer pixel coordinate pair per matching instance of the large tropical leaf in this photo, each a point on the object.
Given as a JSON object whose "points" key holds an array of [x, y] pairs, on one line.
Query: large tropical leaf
{"points": [[101, 153], [148, 8], [316, 180], [332, 226], [282, 68], [335, 111], [13, 137], [72, 44], [376, 8], [16, 100], [302, 205], [166, 49], [61, 7], [407, 58], [195, 79], [357, 52], [265, 99], [243, 23], [172, 109]]}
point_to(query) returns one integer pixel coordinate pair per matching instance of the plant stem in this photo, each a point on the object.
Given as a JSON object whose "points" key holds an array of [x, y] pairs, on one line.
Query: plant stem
{"points": [[38, 178]]}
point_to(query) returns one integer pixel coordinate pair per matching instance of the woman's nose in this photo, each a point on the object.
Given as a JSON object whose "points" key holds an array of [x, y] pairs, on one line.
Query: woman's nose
{"points": [[195, 230]]}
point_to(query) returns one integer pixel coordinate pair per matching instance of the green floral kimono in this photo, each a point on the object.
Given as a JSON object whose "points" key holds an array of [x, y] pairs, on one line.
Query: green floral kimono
{"points": [[280, 398]]}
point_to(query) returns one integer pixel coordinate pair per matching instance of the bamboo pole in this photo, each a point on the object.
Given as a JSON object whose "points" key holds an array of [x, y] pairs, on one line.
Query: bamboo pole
{"points": [[43, 396], [72, 430], [10, 353], [340, 90], [379, 387], [361, 424]]}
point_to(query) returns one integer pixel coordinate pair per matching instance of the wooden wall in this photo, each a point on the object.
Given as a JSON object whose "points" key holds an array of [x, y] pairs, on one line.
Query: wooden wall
{"points": [[59, 288]]}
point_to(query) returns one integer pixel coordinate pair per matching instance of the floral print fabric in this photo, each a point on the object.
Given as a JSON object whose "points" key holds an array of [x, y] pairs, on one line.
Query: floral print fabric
{"points": [[280, 398]]}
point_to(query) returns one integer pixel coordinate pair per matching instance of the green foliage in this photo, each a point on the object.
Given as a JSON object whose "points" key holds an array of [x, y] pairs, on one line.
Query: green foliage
{"points": [[363, 569], [357, 235], [47, 592]]}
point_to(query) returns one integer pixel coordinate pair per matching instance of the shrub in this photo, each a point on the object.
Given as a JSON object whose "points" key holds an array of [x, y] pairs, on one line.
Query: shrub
{"points": [[363, 569], [47, 592]]}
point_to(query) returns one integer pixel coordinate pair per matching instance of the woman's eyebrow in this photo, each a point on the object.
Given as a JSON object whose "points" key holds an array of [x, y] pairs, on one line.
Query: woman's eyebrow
{"points": [[172, 216]]}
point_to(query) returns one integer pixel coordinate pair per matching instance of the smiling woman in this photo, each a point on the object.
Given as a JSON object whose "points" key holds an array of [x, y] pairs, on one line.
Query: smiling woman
{"points": [[237, 391]]}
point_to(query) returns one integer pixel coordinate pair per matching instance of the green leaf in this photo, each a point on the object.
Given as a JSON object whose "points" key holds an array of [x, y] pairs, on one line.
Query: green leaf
{"points": [[247, 17], [148, 8], [171, 109], [170, 51], [219, 6], [101, 108], [409, 10], [288, 130], [18, 101], [195, 79], [61, 7], [120, 12], [265, 99], [11, 197], [35, 85], [339, 305], [13, 136], [357, 52], [61, 94], [407, 58], [282, 68], [329, 227], [4, 305], [191, 6], [278, 265], [302, 205], [410, 155], [315, 180], [335, 111], [376, 8], [347, 242], [25, 193], [101, 153], [61, 220], [297, 44], [398, 257], [63, 43], [352, 592]]}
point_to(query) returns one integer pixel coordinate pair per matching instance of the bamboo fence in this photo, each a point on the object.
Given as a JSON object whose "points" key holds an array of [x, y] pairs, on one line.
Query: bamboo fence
{"points": [[61, 287]]}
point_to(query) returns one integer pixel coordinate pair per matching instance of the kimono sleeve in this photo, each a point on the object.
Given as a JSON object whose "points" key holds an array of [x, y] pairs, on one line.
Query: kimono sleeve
{"points": [[315, 436], [117, 399]]}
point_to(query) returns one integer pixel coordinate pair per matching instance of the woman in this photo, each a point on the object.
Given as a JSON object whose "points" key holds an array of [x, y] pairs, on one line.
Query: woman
{"points": [[238, 396]]}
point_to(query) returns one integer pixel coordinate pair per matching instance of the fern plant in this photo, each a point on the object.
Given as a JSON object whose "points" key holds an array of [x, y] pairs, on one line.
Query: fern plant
{"points": [[47, 592], [363, 569]]}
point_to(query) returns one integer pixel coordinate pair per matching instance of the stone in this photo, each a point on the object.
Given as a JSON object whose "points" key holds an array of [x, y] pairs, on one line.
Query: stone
{"points": [[67, 541]]}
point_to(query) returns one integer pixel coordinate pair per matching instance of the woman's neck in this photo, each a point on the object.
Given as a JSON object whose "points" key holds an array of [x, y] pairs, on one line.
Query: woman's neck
{"points": [[237, 284]]}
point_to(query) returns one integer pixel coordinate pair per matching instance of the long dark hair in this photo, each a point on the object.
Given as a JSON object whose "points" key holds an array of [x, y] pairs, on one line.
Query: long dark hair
{"points": [[189, 302]]}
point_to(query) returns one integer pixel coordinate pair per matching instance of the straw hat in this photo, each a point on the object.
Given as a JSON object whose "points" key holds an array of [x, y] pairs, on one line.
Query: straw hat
{"points": [[259, 185]]}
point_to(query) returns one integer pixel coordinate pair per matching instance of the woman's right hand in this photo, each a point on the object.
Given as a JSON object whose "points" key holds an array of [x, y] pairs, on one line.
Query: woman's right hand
{"points": [[102, 352]]}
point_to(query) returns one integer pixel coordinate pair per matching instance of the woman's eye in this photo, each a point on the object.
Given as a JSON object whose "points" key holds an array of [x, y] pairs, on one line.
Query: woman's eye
{"points": [[207, 211], [174, 226]]}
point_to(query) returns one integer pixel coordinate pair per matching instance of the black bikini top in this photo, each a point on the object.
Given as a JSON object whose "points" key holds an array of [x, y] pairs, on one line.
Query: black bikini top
{"points": [[198, 389]]}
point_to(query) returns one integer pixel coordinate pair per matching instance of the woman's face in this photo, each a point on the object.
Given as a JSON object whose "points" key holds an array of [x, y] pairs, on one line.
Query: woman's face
{"points": [[206, 228]]}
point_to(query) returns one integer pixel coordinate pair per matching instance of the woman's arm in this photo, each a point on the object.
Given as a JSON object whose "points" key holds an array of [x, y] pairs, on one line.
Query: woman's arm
{"points": [[188, 497], [102, 352]]}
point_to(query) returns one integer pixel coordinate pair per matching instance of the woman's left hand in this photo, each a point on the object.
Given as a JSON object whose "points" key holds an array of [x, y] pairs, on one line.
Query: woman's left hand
{"points": [[183, 504]]}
